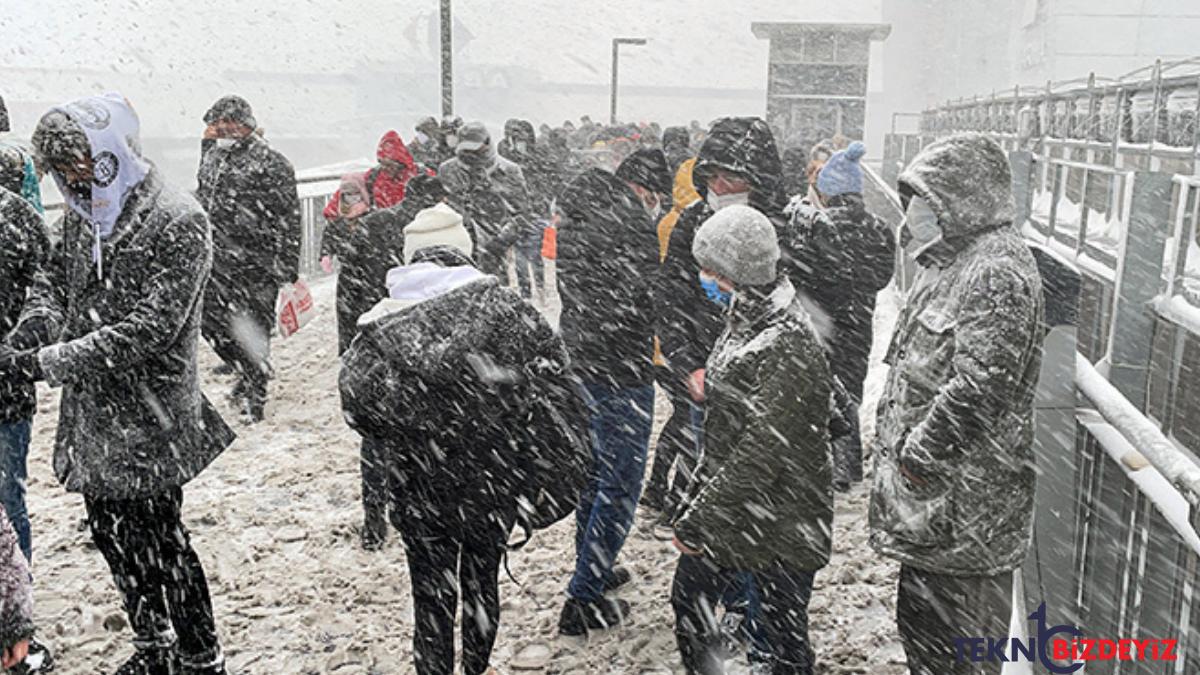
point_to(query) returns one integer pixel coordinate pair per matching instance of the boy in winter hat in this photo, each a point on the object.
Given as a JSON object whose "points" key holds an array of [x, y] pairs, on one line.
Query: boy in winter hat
{"points": [[761, 501]]}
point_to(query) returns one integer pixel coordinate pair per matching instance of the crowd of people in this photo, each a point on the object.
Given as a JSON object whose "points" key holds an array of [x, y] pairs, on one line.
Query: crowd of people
{"points": [[685, 257]]}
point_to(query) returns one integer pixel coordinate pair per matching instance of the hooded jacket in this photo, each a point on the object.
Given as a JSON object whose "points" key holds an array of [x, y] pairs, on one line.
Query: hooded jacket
{"points": [[24, 247], [466, 387], [764, 488], [132, 420], [249, 192], [495, 203], [957, 410], [605, 260], [383, 188]]}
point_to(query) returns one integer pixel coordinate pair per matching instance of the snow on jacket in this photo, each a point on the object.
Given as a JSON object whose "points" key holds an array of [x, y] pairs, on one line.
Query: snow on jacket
{"points": [[606, 256], [383, 188], [764, 492], [455, 384], [132, 420], [844, 255], [495, 203], [24, 246], [16, 588], [957, 410], [538, 163], [249, 193]]}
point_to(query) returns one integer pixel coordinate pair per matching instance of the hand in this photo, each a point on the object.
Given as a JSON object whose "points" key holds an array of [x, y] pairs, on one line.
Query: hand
{"points": [[695, 385], [15, 655], [684, 548], [327, 264]]}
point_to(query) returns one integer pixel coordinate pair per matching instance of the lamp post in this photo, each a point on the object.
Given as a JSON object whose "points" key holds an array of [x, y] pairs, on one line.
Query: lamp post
{"points": [[447, 62], [616, 44]]}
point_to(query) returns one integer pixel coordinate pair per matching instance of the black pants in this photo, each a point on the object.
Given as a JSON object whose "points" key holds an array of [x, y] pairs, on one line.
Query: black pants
{"points": [[374, 486], [932, 609], [237, 323], [847, 450], [677, 446], [157, 572], [696, 591], [449, 554]]}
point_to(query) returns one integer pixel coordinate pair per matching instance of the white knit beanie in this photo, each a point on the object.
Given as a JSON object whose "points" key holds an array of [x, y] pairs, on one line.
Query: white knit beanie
{"points": [[438, 225], [740, 244]]}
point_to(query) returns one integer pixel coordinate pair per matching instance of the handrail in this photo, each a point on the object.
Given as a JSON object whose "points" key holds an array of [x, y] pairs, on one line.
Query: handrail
{"points": [[1143, 434]]}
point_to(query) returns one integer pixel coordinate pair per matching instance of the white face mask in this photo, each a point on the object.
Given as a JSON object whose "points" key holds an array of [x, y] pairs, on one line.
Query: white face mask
{"points": [[422, 138], [717, 202], [922, 224], [226, 143]]}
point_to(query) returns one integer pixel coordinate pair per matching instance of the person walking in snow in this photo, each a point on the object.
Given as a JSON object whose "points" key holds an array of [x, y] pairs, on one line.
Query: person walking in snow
{"points": [[954, 467], [367, 244], [121, 299], [849, 258], [521, 147], [762, 502], [386, 182], [491, 194], [465, 389], [249, 191], [605, 264]]}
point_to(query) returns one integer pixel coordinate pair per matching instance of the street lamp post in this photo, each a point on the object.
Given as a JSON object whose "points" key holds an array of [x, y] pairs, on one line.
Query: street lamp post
{"points": [[616, 44]]}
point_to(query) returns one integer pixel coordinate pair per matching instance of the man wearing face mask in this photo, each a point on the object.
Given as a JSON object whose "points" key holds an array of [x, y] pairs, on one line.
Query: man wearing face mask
{"points": [[116, 311], [249, 191], [429, 145], [954, 469], [491, 193], [521, 147]]}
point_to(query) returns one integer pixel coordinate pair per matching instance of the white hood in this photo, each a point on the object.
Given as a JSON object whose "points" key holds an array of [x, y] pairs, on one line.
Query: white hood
{"points": [[112, 130], [434, 226], [413, 284]]}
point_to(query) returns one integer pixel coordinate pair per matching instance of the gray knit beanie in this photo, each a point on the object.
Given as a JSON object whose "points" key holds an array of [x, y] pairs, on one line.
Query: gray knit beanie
{"points": [[740, 244]]}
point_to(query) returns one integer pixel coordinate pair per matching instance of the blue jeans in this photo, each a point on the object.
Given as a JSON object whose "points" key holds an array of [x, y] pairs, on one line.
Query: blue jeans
{"points": [[743, 595], [620, 421], [14, 448]]}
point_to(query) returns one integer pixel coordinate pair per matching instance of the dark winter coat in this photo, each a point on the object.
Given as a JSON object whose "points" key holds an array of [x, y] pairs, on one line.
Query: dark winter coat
{"points": [[605, 266], [24, 245], [765, 492], [249, 193], [957, 410], [843, 255], [16, 588], [132, 421], [494, 202], [470, 394]]}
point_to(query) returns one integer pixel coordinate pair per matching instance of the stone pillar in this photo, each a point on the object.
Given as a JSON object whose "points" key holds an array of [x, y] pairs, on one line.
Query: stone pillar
{"points": [[817, 79]]}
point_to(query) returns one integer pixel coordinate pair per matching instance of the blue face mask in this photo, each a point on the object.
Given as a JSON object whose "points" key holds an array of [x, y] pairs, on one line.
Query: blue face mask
{"points": [[714, 292]]}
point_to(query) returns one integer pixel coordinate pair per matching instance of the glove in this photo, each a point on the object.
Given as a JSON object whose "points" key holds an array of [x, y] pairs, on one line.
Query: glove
{"points": [[22, 366]]}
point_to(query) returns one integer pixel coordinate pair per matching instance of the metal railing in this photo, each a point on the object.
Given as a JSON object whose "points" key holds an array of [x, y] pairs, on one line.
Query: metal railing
{"points": [[1070, 197]]}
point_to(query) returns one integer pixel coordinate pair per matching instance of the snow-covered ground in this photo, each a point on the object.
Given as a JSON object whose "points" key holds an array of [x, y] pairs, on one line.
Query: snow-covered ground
{"points": [[275, 520]]}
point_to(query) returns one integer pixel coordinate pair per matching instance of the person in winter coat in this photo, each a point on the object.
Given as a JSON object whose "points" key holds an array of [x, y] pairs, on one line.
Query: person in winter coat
{"points": [[368, 245], [248, 190], [448, 377], [521, 147], [24, 247], [762, 502], [954, 469], [676, 143], [491, 194], [604, 266], [20, 175], [429, 147], [849, 260], [121, 301], [16, 601], [386, 182]]}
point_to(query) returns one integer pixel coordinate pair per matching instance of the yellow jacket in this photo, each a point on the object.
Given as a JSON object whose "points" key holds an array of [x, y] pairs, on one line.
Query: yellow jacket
{"points": [[684, 195]]}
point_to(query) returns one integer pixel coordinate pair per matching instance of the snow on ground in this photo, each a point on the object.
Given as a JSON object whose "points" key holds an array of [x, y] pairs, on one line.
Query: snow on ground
{"points": [[275, 520]]}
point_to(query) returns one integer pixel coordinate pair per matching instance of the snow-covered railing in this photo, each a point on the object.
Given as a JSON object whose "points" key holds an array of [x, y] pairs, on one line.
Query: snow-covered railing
{"points": [[1083, 206], [1181, 262]]}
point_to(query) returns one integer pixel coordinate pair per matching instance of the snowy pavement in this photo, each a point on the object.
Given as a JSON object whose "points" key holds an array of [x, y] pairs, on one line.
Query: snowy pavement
{"points": [[275, 520]]}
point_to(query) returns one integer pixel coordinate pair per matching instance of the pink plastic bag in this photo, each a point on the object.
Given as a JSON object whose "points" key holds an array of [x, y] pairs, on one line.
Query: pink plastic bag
{"points": [[294, 308]]}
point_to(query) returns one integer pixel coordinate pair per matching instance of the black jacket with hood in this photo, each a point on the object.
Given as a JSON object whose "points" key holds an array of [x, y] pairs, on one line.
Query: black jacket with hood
{"points": [[606, 259], [24, 246]]}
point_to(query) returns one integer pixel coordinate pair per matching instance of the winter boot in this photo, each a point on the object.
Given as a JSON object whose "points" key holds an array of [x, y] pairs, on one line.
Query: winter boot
{"points": [[149, 661], [578, 617], [618, 577], [210, 663], [39, 660]]}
